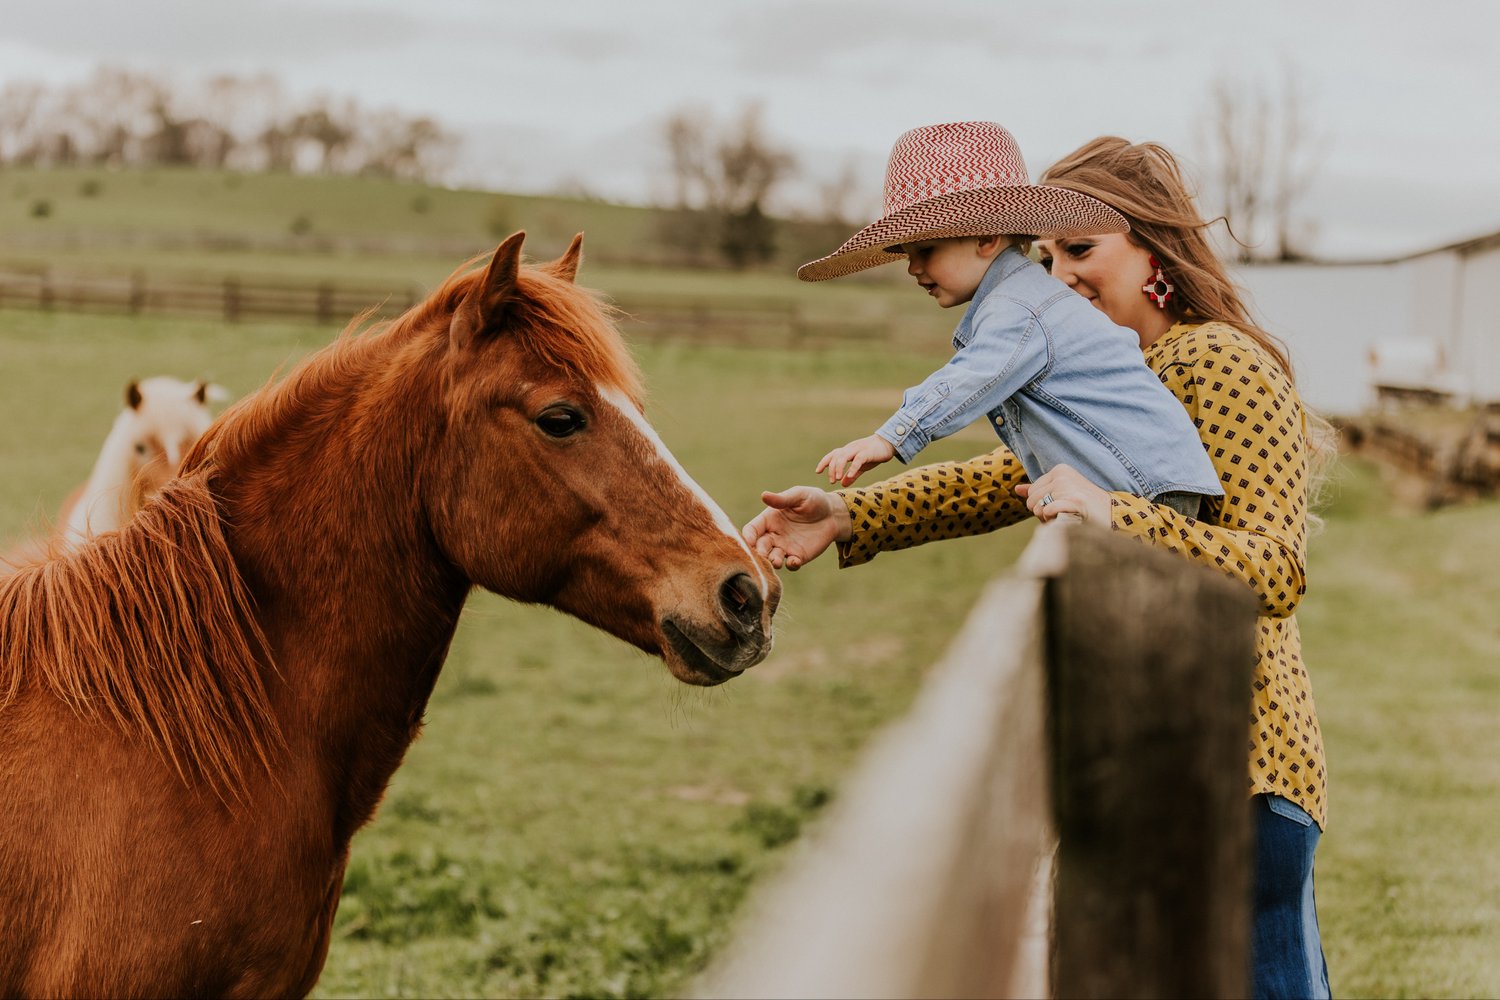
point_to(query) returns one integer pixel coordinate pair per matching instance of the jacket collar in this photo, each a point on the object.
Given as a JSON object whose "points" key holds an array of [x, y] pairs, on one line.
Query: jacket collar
{"points": [[1007, 262]]}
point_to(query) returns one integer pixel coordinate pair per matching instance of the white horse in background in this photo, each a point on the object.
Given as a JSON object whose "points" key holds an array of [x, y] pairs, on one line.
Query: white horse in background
{"points": [[162, 419]]}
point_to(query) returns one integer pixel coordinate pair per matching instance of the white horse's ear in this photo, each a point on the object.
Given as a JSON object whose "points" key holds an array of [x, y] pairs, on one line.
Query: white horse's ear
{"points": [[209, 392], [484, 307], [133, 394]]}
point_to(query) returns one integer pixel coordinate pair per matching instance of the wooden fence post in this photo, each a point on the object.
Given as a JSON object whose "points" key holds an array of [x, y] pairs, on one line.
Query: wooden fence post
{"points": [[934, 874], [1149, 661], [231, 300], [325, 303]]}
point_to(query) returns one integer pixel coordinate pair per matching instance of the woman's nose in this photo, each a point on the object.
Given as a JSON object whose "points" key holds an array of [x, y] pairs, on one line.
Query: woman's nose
{"points": [[911, 266]]}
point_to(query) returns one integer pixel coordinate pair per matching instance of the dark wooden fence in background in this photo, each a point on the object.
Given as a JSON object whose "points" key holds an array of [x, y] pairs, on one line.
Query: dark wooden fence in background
{"points": [[764, 322], [230, 299], [1063, 812]]}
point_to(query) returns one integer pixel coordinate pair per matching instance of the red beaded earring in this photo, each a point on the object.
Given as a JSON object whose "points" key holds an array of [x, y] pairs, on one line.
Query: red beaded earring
{"points": [[1158, 289]]}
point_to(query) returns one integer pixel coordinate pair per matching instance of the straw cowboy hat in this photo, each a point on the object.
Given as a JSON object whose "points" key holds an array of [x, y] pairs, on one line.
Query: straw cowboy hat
{"points": [[962, 179]]}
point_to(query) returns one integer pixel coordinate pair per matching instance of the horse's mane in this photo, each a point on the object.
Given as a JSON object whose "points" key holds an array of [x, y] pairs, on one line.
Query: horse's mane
{"points": [[153, 629]]}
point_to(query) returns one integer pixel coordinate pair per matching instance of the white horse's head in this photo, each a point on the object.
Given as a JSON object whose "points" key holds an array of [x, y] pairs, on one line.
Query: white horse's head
{"points": [[162, 419]]}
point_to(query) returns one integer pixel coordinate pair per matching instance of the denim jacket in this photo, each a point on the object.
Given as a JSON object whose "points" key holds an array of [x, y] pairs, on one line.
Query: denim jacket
{"points": [[1060, 384]]}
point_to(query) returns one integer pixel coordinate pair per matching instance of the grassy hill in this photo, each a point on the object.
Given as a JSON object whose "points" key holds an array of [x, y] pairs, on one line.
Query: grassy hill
{"points": [[92, 214], [211, 226]]}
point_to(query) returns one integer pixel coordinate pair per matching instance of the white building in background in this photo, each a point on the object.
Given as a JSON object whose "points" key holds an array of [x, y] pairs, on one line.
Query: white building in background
{"points": [[1427, 321]]}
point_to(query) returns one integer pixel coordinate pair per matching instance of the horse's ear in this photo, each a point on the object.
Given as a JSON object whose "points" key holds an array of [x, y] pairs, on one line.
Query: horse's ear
{"points": [[566, 266], [133, 394], [484, 306], [205, 392]]}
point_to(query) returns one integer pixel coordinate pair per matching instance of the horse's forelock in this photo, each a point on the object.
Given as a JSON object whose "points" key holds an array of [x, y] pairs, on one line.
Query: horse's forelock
{"points": [[572, 327], [563, 324]]}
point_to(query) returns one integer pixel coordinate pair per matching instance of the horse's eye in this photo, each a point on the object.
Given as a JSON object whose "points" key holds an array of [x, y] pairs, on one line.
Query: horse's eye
{"points": [[140, 449], [560, 421]]}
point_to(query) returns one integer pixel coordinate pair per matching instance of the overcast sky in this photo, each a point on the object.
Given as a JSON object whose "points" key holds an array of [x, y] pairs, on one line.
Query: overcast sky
{"points": [[1406, 96]]}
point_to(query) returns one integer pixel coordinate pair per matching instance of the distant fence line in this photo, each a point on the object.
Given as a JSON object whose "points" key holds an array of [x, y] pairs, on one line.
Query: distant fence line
{"points": [[759, 322], [231, 299]]}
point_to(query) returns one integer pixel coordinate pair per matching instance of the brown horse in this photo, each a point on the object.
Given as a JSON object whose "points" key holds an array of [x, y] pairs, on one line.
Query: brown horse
{"points": [[198, 711]]}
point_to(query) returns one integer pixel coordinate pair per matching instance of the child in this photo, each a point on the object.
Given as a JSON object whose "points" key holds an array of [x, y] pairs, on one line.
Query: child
{"points": [[1059, 382]]}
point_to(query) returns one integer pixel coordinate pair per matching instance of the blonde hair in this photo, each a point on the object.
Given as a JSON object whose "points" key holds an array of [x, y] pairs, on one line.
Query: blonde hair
{"points": [[1143, 182]]}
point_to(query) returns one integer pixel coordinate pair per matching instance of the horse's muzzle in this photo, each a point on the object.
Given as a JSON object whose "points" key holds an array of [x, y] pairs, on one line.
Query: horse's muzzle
{"points": [[708, 654]]}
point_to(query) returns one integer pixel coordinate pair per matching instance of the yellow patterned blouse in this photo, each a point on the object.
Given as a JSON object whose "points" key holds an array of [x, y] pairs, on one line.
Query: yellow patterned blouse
{"points": [[1252, 425]]}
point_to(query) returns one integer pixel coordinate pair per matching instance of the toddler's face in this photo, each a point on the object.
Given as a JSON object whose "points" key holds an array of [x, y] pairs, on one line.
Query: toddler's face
{"points": [[949, 270]]}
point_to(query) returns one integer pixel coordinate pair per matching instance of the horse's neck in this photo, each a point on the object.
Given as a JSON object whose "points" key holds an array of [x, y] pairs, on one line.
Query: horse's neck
{"points": [[357, 603], [101, 505]]}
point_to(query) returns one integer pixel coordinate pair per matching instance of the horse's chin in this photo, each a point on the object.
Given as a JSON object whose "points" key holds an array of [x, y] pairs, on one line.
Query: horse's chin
{"points": [[692, 661]]}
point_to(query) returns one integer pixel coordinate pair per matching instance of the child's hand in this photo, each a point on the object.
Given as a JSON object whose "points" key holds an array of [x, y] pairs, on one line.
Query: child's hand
{"points": [[845, 464]]}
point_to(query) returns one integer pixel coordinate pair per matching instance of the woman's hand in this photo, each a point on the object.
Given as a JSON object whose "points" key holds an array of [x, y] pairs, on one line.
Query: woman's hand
{"points": [[1064, 490], [797, 525]]}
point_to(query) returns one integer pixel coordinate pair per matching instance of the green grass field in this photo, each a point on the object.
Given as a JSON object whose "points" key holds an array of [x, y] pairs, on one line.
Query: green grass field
{"points": [[575, 823]]}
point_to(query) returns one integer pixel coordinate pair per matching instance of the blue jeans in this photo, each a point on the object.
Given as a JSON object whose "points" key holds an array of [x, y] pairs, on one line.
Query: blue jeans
{"points": [[1286, 949]]}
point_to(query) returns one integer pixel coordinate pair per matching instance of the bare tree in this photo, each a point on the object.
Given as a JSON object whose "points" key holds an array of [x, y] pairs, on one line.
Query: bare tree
{"points": [[1265, 154], [123, 118], [246, 108], [1303, 148], [21, 103], [688, 134], [392, 145], [723, 176]]}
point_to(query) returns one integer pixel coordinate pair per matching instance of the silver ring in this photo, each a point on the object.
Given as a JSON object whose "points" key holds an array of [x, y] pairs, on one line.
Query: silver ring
{"points": [[1046, 499]]}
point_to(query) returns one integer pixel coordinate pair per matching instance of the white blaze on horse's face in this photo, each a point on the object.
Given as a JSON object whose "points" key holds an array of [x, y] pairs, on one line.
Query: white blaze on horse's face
{"points": [[621, 402]]}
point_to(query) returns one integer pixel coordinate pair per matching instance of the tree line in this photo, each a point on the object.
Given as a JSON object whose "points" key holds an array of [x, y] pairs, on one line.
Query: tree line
{"points": [[125, 118], [725, 174]]}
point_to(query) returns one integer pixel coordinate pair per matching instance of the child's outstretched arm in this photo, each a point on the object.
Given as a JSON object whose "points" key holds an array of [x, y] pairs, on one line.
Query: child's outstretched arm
{"points": [[847, 463]]}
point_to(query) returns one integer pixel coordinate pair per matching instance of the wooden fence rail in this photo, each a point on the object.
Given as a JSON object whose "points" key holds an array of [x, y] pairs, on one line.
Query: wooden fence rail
{"points": [[1062, 813], [230, 299], [763, 322]]}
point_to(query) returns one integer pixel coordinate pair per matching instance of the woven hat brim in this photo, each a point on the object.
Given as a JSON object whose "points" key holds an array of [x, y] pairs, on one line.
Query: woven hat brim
{"points": [[1038, 210]]}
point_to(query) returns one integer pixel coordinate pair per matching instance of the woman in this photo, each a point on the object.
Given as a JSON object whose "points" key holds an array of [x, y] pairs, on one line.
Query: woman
{"points": [[1163, 281]]}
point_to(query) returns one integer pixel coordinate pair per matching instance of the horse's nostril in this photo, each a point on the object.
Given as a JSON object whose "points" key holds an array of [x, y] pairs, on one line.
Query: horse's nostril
{"points": [[741, 600]]}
